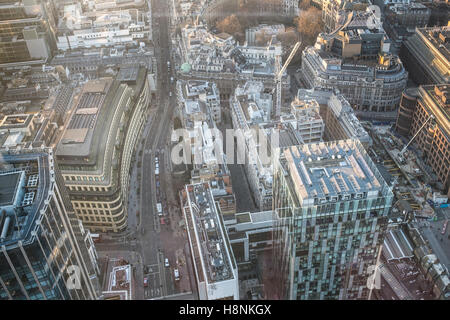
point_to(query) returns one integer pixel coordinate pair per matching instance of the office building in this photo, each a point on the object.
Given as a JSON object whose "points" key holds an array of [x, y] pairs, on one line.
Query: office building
{"points": [[219, 59], [42, 243], [101, 28], [332, 205], [339, 117], [215, 268], [426, 55], [434, 139], [201, 92], [355, 59], [334, 12], [402, 20], [306, 120], [96, 148], [26, 31], [368, 87]]}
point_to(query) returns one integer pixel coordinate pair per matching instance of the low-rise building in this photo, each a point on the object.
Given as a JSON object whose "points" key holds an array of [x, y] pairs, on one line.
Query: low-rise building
{"points": [[201, 92], [368, 86], [213, 260], [339, 117], [218, 58], [306, 120], [78, 29], [251, 34], [250, 233]]}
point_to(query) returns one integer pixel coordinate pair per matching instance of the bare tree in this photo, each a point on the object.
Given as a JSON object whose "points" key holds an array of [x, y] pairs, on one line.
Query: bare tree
{"points": [[305, 4], [309, 24], [230, 25], [288, 38]]}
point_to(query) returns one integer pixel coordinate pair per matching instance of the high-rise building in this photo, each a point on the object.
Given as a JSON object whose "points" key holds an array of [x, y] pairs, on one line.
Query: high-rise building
{"points": [[214, 264], [45, 253], [26, 31], [96, 148], [332, 205]]}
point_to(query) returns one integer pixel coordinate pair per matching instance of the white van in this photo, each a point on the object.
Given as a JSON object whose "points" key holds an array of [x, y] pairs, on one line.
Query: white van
{"points": [[159, 209]]}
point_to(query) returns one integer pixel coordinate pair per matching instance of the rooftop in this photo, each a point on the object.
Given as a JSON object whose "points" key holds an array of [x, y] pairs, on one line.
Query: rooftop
{"points": [[215, 259], [332, 171], [77, 139], [15, 121], [26, 183], [440, 94], [439, 38]]}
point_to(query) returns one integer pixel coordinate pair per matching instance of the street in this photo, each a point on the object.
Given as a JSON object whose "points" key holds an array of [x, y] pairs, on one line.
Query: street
{"points": [[151, 236]]}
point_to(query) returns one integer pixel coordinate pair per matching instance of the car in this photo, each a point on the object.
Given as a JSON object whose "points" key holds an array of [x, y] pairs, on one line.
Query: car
{"points": [[176, 274], [145, 282], [166, 263]]}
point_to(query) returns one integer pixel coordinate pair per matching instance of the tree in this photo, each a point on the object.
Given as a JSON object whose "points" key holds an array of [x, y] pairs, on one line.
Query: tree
{"points": [[305, 4], [309, 24], [230, 25], [288, 38]]}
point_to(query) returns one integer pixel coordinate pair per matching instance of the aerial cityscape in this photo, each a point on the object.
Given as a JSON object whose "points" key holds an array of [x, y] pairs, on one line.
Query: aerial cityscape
{"points": [[224, 150]]}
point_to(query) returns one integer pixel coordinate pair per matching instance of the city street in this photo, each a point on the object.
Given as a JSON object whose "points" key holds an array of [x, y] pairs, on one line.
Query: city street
{"points": [[160, 241]]}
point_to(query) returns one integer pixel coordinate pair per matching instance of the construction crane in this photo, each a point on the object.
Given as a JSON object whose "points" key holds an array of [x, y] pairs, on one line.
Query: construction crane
{"points": [[400, 154], [279, 75]]}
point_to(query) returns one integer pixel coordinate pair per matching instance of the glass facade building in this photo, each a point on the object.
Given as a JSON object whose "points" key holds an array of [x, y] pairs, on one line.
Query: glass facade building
{"points": [[332, 204], [45, 253]]}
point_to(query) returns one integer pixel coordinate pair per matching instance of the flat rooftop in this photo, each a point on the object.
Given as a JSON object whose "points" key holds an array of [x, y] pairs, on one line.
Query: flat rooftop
{"points": [[128, 73], [439, 37], [207, 234], [440, 94], [26, 182], [77, 139], [331, 171], [15, 121]]}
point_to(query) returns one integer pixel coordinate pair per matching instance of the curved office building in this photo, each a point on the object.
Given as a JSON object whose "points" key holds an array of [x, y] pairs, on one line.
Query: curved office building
{"points": [[406, 110]]}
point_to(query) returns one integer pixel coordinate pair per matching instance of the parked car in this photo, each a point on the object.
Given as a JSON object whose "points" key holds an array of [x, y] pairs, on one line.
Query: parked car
{"points": [[176, 274], [145, 282], [166, 263]]}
